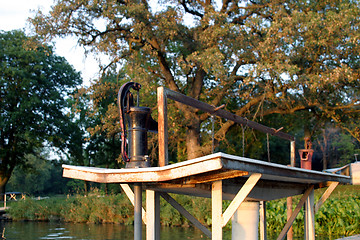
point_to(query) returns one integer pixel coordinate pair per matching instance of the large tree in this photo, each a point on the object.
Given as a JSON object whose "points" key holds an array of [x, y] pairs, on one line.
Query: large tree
{"points": [[258, 57], [34, 87]]}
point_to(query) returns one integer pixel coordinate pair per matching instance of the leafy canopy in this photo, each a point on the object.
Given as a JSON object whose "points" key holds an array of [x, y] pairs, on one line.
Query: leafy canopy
{"points": [[258, 57]]}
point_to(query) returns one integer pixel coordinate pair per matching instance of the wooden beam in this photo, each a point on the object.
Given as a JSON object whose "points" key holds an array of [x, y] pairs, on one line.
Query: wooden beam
{"points": [[295, 213], [130, 194], [162, 127], [225, 114], [292, 153], [216, 210], [185, 213], [214, 176], [289, 211], [240, 197], [326, 195]]}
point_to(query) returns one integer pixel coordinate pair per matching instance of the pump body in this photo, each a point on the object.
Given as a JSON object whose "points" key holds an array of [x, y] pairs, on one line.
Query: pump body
{"points": [[138, 147]]}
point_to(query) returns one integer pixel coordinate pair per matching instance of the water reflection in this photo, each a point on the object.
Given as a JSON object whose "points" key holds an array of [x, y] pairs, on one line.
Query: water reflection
{"points": [[47, 231]]}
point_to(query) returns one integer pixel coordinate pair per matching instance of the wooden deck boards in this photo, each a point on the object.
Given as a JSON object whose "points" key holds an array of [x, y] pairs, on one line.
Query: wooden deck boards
{"points": [[194, 177]]}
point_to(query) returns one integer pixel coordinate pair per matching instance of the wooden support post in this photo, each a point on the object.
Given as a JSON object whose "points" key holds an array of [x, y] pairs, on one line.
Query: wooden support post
{"points": [[130, 194], [289, 202], [292, 153], [310, 217], [295, 213], [263, 231], [185, 213], [289, 212], [216, 207], [152, 215], [240, 197], [162, 126], [326, 195]]}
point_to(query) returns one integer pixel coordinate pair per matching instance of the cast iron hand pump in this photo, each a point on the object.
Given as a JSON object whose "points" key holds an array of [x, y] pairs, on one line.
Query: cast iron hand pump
{"points": [[140, 122]]}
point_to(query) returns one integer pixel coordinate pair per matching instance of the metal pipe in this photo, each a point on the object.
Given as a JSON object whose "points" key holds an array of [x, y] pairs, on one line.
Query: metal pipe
{"points": [[137, 211]]}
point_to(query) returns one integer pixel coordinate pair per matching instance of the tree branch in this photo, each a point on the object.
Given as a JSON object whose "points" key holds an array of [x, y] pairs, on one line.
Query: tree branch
{"points": [[193, 12]]}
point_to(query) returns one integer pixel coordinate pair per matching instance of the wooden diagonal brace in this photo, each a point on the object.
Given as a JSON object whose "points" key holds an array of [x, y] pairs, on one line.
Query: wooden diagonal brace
{"points": [[185, 213], [130, 194], [326, 195], [240, 197], [295, 213]]}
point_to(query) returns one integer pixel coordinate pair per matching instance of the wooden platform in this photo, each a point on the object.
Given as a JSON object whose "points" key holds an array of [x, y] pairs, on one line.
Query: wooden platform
{"points": [[218, 176], [194, 177]]}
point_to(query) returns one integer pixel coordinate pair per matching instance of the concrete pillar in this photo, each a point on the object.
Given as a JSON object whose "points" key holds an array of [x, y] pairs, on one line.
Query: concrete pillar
{"points": [[245, 222]]}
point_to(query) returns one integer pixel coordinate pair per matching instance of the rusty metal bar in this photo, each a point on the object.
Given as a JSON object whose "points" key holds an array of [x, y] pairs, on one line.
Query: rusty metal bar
{"points": [[224, 114]]}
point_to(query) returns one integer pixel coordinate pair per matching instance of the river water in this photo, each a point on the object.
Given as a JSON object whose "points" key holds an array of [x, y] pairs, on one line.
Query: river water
{"points": [[49, 230], [53, 230]]}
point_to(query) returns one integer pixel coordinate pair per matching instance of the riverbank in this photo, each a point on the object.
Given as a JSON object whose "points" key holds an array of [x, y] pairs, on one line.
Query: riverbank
{"points": [[338, 217]]}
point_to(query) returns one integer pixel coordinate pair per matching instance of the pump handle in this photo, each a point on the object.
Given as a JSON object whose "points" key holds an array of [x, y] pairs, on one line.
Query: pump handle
{"points": [[125, 101]]}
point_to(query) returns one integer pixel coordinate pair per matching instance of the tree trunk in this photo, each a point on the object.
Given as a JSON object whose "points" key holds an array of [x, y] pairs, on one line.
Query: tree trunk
{"points": [[193, 146], [86, 187], [3, 182], [325, 147]]}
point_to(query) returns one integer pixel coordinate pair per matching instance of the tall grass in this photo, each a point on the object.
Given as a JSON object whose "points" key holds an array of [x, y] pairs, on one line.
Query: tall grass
{"points": [[339, 216], [94, 208]]}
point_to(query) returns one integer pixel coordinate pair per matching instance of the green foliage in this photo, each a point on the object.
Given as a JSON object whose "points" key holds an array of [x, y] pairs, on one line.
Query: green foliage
{"points": [[36, 210], [34, 87], [40, 176], [258, 59], [337, 217], [34, 178], [94, 208]]}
